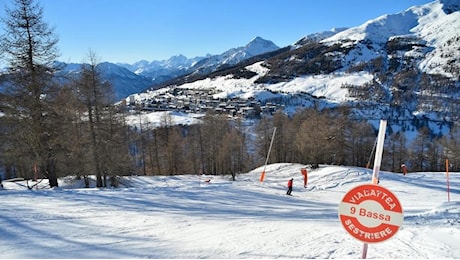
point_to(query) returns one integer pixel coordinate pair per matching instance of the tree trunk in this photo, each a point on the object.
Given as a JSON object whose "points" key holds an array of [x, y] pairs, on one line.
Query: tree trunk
{"points": [[51, 172]]}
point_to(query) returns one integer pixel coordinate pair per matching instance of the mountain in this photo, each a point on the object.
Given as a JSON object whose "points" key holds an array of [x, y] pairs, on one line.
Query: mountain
{"points": [[431, 30], [233, 56], [124, 82], [404, 67], [160, 71], [176, 66], [128, 79]]}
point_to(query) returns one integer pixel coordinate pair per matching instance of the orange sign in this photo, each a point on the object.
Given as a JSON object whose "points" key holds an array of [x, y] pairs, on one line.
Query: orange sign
{"points": [[370, 213]]}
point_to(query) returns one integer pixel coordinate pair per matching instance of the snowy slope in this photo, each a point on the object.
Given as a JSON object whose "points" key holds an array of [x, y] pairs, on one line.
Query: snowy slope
{"points": [[186, 217], [328, 87], [319, 36], [434, 25]]}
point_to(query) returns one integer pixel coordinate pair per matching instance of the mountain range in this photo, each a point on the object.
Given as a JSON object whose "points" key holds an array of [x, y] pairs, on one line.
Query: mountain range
{"points": [[128, 79], [403, 66]]}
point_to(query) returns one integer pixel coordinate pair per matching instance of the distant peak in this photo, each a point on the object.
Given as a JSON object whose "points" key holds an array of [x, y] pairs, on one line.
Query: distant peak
{"points": [[257, 38], [178, 56], [259, 41]]}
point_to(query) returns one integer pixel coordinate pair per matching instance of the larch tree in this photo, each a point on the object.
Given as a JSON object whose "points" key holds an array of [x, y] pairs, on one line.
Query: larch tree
{"points": [[94, 95], [29, 46]]}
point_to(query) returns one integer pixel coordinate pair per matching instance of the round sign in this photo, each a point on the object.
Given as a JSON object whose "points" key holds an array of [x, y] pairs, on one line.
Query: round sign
{"points": [[371, 213]]}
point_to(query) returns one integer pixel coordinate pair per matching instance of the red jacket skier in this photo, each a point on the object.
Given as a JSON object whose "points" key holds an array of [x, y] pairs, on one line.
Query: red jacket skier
{"points": [[289, 185]]}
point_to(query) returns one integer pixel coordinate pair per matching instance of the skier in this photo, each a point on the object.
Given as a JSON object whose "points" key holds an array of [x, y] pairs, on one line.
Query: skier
{"points": [[289, 184]]}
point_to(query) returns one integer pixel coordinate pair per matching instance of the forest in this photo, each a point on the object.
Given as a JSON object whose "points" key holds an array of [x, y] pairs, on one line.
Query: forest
{"points": [[51, 129]]}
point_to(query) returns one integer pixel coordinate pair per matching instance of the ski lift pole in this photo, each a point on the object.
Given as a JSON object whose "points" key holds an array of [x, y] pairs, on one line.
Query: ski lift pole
{"points": [[377, 163], [262, 176]]}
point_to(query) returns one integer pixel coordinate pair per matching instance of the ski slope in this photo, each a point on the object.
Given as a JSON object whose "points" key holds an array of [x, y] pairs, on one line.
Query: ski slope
{"points": [[183, 216]]}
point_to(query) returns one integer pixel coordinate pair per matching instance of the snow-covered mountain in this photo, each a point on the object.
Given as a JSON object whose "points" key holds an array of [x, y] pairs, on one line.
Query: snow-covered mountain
{"points": [[432, 30], [233, 56], [128, 79], [180, 65], [404, 67], [160, 71]]}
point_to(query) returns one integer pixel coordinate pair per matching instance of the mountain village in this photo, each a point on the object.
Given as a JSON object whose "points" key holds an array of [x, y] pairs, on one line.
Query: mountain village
{"points": [[203, 101]]}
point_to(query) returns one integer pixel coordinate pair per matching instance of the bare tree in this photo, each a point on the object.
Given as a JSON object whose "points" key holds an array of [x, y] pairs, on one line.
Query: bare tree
{"points": [[97, 98], [29, 46]]}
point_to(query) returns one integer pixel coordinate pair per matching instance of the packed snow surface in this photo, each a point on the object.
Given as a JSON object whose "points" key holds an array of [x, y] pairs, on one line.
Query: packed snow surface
{"points": [[184, 216]]}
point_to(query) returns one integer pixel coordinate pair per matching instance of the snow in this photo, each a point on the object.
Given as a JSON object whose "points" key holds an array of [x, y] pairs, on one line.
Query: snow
{"points": [[329, 86], [183, 216], [153, 120]]}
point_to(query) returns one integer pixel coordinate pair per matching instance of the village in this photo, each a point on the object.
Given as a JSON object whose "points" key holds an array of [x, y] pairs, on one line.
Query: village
{"points": [[203, 101]]}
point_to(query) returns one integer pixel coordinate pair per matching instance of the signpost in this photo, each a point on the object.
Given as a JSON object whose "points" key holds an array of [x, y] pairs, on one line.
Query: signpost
{"points": [[371, 213]]}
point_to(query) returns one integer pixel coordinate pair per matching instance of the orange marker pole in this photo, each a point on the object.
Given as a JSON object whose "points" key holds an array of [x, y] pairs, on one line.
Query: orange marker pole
{"points": [[305, 176]]}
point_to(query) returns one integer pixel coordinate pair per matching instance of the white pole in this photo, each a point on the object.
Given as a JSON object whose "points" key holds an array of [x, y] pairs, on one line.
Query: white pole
{"points": [[270, 148], [379, 151], [268, 156], [377, 163]]}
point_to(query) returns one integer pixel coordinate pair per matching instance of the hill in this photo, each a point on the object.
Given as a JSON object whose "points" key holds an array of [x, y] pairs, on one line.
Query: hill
{"points": [[182, 216]]}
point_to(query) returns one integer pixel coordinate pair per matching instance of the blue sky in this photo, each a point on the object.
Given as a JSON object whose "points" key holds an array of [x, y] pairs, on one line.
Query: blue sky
{"points": [[132, 30]]}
